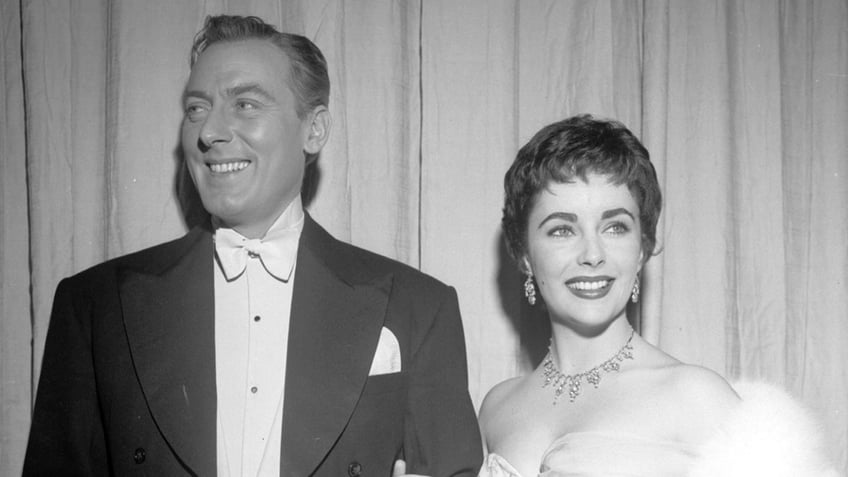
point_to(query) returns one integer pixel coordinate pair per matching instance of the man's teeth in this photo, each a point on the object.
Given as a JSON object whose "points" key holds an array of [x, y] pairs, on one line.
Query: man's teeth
{"points": [[589, 285], [229, 166]]}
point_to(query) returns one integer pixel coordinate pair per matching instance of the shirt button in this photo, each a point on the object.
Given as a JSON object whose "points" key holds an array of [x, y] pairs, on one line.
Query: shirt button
{"points": [[257, 318], [354, 469], [254, 389], [139, 455]]}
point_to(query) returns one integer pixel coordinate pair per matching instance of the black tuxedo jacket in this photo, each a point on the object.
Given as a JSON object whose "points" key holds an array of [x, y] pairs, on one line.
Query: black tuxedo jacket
{"points": [[127, 383]]}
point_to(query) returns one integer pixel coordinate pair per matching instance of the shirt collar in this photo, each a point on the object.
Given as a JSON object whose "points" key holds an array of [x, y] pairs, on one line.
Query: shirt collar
{"points": [[277, 249]]}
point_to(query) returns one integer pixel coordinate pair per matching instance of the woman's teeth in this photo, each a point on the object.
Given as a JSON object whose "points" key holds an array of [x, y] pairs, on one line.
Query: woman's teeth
{"points": [[589, 285]]}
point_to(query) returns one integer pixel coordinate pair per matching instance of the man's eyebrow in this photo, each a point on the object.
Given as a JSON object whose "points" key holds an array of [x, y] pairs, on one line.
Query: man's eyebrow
{"points": [[613, 212], [240, 89], [197, 94], [232, 91]]}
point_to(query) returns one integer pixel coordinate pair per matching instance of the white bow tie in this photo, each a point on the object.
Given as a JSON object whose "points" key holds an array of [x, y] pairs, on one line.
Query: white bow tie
{"points": [[277, 252]]}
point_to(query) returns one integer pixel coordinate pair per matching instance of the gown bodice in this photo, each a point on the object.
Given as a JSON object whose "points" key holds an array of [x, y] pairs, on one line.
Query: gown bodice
{"points": [[596, 454]]}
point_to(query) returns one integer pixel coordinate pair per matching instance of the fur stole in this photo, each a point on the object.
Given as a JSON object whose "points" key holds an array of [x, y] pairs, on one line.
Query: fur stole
{"points": [[769, 434]]}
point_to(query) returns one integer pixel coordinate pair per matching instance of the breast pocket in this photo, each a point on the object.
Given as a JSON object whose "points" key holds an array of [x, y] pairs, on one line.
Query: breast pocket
{"points": [[385, 383]]}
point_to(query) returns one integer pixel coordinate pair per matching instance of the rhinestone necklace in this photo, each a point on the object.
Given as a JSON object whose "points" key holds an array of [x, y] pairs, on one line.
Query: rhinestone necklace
{"points": [[572, 382]]}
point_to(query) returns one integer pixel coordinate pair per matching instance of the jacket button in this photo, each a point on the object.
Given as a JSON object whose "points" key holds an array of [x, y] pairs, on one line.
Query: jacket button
{"points": [[354, 469], [139, 455]]}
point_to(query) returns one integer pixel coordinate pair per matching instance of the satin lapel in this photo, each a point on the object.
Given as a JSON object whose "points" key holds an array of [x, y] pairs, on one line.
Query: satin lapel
{"points": [[169, 321], [333, 334]]}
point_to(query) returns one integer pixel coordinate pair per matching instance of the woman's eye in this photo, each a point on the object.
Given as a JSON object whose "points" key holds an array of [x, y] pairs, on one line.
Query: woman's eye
{"points": [[561, 231], [618, 228]]}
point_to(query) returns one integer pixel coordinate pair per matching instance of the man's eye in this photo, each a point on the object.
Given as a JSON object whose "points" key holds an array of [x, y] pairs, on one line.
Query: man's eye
{"points": [[194, 111], [245, 105]]}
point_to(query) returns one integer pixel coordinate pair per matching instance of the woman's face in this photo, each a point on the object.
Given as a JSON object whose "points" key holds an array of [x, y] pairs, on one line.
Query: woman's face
{"points": [[584, 245]]}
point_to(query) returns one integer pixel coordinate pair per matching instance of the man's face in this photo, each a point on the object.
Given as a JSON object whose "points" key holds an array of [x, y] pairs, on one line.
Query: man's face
{"points": [[243, 142]]}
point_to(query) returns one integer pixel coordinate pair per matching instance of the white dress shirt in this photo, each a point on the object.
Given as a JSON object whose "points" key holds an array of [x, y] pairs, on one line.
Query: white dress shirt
{"points": [[252, 310]]}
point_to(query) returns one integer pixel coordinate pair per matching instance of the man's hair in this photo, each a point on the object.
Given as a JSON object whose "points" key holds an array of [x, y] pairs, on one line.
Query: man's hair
{"points": [[308, 80], [569, 150]]}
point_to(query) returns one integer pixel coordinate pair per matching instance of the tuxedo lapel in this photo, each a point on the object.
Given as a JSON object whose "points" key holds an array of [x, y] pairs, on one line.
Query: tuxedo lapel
{"points": [[336, 317], [168, 309]]}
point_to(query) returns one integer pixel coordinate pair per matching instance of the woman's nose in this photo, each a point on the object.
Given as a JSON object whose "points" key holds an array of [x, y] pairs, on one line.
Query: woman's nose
{"points": [[593, 252]]}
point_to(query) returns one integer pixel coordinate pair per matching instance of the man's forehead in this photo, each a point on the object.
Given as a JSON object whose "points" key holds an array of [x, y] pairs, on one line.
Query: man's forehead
{"points": [[232, 68], [248, 47]]}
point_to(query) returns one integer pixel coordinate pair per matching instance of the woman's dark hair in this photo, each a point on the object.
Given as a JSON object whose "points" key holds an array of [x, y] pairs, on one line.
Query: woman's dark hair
{"points": [[569, 150]]}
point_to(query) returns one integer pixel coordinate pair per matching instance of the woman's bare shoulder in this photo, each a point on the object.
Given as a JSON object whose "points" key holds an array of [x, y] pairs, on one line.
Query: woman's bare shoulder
{"points": [[701, 385], [498, 397], [698, 397], [688, 384]]}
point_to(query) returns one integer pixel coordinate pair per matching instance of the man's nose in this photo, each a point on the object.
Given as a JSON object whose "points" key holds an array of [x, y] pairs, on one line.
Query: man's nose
{"points": [[215, 130], [593, 254]]}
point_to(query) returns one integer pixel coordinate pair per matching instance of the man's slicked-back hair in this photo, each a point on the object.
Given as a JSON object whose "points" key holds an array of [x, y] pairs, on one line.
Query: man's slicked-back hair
{"points": [[308, 81]]}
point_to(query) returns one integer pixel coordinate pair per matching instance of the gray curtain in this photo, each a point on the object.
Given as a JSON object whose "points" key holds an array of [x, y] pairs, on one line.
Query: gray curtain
{"points": [[743, 105]]}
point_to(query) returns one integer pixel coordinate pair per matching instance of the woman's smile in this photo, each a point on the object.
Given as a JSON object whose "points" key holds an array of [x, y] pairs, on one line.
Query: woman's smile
{"points": [[590, 288]]}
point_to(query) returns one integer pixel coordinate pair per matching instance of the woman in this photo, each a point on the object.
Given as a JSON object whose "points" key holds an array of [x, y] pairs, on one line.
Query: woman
{"points": [[582, 203]]}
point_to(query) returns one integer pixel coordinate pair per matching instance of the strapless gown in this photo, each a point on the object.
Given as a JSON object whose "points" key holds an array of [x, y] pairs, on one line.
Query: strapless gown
{"points": [[768, 434], [597, 454]]}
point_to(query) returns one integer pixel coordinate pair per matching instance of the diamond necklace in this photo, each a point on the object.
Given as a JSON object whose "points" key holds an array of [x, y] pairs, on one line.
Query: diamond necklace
{"points": [[572, 382]]}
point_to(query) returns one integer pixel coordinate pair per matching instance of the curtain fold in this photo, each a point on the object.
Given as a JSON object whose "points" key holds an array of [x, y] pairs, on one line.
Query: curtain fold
{"points": [[15, 272], [743, 106]]}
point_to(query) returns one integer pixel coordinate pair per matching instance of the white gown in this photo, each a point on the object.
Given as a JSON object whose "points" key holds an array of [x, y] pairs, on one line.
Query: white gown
{"points": [[597, 454], [769, 434]]}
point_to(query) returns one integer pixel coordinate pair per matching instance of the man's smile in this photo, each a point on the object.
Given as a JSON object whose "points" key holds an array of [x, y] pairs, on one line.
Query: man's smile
{"points": [[228, 167]]}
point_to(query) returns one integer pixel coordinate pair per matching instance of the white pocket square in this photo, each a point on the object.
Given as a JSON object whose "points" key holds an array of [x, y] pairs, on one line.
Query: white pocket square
{"points": [[387, 357]]}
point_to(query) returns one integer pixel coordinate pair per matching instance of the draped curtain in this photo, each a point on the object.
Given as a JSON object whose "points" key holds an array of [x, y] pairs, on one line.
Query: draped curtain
{"points": [[743, 105]]}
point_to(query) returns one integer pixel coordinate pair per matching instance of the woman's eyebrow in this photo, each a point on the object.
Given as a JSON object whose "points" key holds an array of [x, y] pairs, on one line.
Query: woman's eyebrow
{"points": [[567, 216], [613, 212]]}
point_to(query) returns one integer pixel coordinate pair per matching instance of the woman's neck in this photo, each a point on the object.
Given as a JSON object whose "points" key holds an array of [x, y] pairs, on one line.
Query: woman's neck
{"points": [[576, 352]]}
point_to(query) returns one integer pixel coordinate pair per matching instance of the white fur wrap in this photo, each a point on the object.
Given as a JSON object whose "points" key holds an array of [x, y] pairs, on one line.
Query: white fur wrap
{"points": [[769, 434]]}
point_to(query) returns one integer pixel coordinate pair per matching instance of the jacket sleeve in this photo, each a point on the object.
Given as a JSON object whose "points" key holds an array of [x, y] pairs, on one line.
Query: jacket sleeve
{"points": [[442, 437], [66, 436]]}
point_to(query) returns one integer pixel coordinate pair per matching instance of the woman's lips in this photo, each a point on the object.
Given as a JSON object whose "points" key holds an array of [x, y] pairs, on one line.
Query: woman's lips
{"points": [[590, 288]]}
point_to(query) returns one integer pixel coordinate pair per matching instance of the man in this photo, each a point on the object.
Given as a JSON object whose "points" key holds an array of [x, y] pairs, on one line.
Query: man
{"points": [[256, 344]]}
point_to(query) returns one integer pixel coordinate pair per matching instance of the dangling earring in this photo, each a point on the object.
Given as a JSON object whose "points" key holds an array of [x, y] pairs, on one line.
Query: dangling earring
{"points": [[634, 295], [530, 290]]}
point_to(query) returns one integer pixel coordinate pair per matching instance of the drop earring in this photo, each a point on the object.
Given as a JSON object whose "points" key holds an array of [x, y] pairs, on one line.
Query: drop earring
{"points": [[530, 290], [634, 295]]}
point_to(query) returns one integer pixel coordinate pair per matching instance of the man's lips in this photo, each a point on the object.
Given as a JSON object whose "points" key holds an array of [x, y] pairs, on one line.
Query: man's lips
{"points": [[590, 288], [224, 167]]}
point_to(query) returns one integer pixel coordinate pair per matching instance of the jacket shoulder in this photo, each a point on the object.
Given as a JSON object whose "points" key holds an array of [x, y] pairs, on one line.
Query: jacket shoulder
{"points": [[357, 264], [152, 259]]}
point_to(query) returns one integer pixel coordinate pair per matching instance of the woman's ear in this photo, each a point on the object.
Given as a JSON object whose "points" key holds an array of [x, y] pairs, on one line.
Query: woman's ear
{"points": [[318, 130], [524, 265]]}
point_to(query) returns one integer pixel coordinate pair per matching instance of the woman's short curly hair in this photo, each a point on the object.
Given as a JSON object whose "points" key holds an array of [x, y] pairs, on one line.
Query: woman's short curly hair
{"points": [[572, 149]]}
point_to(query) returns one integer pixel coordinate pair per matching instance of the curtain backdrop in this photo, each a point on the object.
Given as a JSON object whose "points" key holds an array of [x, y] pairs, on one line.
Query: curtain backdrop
{"points": [[743, 105]]}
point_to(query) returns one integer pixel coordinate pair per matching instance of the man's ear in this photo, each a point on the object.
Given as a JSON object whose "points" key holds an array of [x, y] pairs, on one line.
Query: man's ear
{"points": [[317, 130]]}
